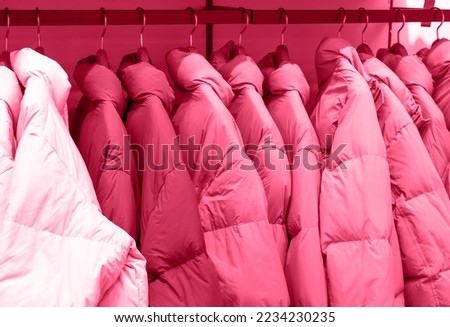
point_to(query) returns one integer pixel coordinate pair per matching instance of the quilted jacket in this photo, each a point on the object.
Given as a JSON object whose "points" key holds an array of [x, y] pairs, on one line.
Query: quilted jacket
{"points": [[287, 91], [362, 259], [232, 202], [101, 138], [421, 205], [171, 238], [57, 248], [427, 116], [263, 141]]}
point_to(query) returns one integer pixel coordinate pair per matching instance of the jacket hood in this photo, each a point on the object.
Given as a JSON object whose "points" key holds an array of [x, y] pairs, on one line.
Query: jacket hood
{"points": [[410, 69], [327, 54], [238, 71], [141, 79], [287, 77], [438, 58], [27, 63], [99, 83], [189, 70], [10, 92]]}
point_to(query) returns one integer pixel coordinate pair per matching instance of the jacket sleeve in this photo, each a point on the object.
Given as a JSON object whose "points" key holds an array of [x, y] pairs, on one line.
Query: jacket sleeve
{"points": [[131, 287], [180, 271], [116, 195], [113, 169], [305, 273], [406, 98], [435, 134]]}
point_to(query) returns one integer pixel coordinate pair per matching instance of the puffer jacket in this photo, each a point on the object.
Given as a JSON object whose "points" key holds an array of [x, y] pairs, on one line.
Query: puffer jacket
{"points": [[421, 205], [438, 62], [356, 221], [171, 238], [101, 138], [57, 248], [262, 139], [232, 203], [431, 123], [287, 91], [10, 96]]}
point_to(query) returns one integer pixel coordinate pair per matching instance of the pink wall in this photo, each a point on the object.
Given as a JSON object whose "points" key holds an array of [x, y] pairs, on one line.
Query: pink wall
{"points": [[68, 44]]}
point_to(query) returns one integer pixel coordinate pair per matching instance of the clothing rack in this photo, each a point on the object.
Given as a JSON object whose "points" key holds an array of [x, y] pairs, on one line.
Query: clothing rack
{"points": [[217, 15]]}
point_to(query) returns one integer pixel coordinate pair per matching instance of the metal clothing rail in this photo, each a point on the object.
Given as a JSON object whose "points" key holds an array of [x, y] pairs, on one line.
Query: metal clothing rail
{"points": [[217, 16]]}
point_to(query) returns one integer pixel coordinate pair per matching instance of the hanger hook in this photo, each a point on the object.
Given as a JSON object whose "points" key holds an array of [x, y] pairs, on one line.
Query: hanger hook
{"points": [[247, 21], [105, 25], [195, 18], [144, 24], [286, 22], [403, 25], [442, 20], [8, 26], [38, 24], [341, 10], [363, 11]]}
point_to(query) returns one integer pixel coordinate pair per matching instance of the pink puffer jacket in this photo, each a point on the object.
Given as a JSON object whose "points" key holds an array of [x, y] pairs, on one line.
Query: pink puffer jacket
{"points": [[57, 249], [232, 203], [171, 238], [356, 221], [286, 93], [100, 135], [263, 141], [421, 205], [435, 135], [438, 62]]}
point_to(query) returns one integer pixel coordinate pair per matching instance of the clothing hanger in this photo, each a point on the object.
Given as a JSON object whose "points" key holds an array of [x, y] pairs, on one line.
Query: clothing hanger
{"points": [[399, 48], [341, 10], [195, 19], [363, 47], [5, 59], [142, 52], [282, 52], [238, 49], [101, 56], [440, 25], [39, 48]]}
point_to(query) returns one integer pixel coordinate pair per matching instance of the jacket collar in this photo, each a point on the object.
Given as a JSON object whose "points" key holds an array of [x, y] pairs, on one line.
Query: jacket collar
{"points": [[438, 58], [28, 63], [410, 69], [188, 69], [240, 71], [99, 83], [383, 73], [142, 80], [329, 51], [287, 77]]}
